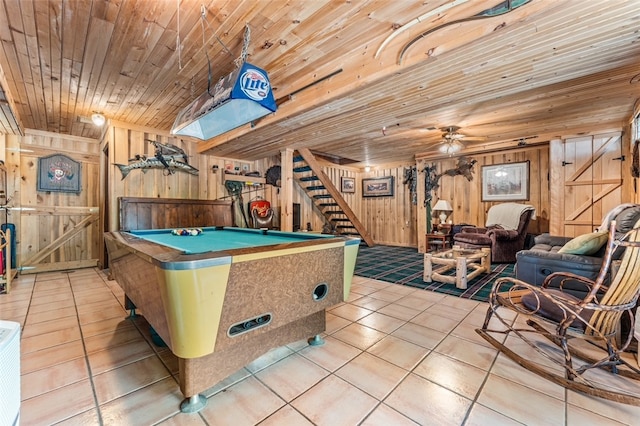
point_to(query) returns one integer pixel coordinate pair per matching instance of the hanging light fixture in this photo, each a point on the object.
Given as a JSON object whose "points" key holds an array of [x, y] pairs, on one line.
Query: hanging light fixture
{"points": [[450, 147], [241, 97], [451, 140]]}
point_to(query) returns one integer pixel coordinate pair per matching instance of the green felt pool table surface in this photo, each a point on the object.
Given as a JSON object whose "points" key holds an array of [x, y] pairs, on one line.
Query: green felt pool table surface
{"points": [[218, 238]]}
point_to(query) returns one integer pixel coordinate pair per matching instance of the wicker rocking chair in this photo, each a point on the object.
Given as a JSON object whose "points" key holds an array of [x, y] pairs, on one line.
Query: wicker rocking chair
{"points": [[584, 332]]}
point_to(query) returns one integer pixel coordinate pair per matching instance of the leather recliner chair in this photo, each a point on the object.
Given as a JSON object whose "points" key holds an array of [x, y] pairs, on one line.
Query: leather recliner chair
{"points": [[505, 240]]}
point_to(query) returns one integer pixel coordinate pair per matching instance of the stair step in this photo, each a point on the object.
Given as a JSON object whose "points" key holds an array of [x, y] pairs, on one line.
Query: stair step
{"points": [[315, 188], [319, 196], [340, 219], [308, 178], [298, 158], [302, 169]]}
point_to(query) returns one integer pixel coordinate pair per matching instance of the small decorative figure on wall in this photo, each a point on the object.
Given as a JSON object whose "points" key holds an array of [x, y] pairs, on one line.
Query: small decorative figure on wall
{"points": [[464, 168], [411, 179], [431, 178], [58, 173]]}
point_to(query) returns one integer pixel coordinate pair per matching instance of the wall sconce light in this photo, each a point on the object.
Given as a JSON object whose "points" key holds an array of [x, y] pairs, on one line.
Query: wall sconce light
{"points": [[215, 168], [98, 119], [367, 169]]}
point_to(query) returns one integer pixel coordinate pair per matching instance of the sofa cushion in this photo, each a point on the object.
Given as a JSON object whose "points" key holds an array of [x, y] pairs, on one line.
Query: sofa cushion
{"points": [[626, 220], [585, 244]]}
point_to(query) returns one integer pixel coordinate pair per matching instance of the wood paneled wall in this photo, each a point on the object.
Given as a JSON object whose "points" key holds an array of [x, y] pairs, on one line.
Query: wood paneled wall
{"points": [[389, 220], [123, 142], [44, 234], [466, 196], [54, 230]]}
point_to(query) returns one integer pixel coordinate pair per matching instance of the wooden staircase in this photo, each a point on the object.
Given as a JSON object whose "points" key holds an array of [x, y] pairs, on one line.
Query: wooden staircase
{"points": [[326, 197]]}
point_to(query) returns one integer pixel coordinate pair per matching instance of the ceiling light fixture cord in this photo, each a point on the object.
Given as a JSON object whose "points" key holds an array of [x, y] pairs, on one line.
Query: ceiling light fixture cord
{"points": [[203, 14], [245, 46]]}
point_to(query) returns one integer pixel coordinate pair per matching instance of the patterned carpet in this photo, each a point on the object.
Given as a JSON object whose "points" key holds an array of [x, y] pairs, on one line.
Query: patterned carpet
{"points": [[404, 265]]}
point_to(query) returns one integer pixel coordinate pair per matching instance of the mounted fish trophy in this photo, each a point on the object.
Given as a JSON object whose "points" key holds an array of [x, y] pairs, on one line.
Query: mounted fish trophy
{"points": [[169, 158]]}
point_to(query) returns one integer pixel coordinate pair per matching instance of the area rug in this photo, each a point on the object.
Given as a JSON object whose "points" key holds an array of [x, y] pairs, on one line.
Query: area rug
{"points": [[405, 265]]}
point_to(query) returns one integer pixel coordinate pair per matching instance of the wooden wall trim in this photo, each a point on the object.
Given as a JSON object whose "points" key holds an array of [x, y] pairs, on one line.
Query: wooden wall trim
{"points": [[34, 132]]}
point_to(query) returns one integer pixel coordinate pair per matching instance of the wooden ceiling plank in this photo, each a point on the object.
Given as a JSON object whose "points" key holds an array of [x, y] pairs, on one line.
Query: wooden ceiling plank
{"points": [[498, 82], [27, 48], [98, 37], [14, 92], [157, 86], [135, 39], [74, 29], [49, 32]]}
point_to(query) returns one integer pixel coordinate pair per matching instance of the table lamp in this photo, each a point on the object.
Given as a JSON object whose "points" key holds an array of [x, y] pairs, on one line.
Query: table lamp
{"points": [[443, 206]]}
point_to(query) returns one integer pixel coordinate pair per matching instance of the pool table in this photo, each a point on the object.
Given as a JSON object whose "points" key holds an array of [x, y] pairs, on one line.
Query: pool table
{"points": [[224, 297]]}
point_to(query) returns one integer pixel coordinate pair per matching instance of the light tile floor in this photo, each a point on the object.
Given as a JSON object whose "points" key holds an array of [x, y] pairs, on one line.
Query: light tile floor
{"points": [[393, 355]]}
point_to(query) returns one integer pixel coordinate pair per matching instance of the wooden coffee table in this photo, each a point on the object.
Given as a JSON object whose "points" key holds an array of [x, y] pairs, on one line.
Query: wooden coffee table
{"points": [[469, 263]]}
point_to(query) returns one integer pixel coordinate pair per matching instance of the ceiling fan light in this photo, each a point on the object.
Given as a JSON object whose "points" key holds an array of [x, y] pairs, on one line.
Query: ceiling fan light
{"points": [[98, 119], [450, 147]]}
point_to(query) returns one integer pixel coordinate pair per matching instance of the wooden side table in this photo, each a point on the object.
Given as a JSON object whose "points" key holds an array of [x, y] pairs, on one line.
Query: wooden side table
{"points": [[445, 228], [437, 239]]}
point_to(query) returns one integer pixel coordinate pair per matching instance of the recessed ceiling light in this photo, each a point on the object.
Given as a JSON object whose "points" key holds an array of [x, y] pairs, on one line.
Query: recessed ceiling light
{"points": [[98, 119]]}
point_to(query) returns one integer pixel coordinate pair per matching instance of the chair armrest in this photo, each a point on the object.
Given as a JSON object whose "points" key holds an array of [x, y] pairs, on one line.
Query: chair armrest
{"points": [[473, 230], [515, 286], [503, 234], [562, 277], [556, 257], [551, 240]]}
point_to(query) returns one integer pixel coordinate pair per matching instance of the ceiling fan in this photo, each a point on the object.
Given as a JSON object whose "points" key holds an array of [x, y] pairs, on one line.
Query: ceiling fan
{"points": [[452, 140]]}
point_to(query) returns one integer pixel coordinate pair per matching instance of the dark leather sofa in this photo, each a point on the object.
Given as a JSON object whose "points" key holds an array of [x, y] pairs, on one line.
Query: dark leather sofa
{"points": [[533, 265]]}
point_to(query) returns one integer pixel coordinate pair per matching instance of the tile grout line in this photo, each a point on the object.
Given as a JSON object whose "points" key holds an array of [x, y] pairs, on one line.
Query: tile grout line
{"points": [[86, 355]]}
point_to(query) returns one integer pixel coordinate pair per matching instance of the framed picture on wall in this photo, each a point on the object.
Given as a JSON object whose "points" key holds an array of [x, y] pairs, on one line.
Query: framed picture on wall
{"points": [[505, 182], [58, 173], [347, 184], [378, 187]]}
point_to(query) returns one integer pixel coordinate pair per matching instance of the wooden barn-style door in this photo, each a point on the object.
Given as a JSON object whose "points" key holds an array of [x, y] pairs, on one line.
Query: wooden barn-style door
{"points": [[590, 173]]}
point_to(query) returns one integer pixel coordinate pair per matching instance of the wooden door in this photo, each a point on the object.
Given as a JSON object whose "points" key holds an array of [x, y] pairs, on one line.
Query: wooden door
{"points": [[592, 181]]}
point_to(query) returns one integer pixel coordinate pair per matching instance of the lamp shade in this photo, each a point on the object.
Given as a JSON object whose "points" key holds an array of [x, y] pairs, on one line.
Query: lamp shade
{"points": [[443, 206]]}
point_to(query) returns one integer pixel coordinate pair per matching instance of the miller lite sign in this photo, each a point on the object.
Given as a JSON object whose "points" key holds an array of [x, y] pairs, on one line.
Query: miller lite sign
{"points": [[237, 99], [255, 85]]}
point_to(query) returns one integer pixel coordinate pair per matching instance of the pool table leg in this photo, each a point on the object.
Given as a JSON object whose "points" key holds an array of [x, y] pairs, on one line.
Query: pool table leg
{"points": [[193, 404], [128, 304], [316, 340]]}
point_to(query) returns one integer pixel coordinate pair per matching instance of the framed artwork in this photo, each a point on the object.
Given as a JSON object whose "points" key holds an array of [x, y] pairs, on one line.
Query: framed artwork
{"points": [[347, 184], [378, 187], [505, 182], [58, 173]]}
